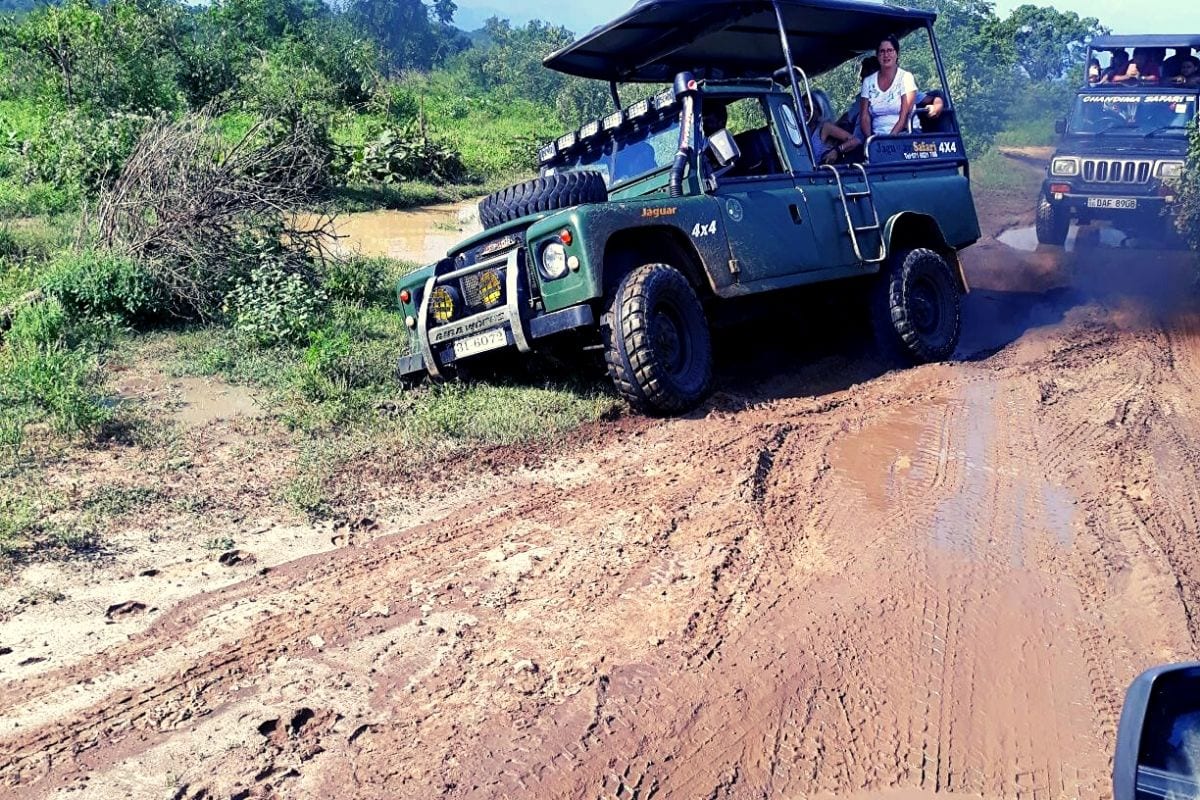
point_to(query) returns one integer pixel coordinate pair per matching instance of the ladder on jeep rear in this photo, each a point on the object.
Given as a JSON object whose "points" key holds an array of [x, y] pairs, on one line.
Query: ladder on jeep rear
{"points": [[872, 213]]}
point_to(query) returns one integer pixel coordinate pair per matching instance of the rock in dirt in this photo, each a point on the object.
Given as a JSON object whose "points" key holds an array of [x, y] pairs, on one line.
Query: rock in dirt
{"points": [[127, 609], [233, 558]]}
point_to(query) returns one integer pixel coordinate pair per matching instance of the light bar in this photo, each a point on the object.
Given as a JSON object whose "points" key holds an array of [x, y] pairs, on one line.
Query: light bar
{"points": [[567, 141], [589, 130], [639, 109], [547, 153], [613, 121], [664, 100]]}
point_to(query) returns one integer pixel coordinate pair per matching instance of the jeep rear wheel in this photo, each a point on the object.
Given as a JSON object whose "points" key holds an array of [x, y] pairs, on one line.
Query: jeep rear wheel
{"points": [[548, 193], [1053, 223], [916, 308], [657, 344]]}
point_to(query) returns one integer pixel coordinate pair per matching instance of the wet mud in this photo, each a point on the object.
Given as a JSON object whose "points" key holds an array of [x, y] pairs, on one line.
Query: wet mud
{"points": [[828, 581]]}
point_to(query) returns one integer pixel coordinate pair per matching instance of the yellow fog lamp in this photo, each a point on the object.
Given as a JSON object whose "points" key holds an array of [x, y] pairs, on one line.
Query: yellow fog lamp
{"points": [[1170, 169], [491, 288], [443, 304]]}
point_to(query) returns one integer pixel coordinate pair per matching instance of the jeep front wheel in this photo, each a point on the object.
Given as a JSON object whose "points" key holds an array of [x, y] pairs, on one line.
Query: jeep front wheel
{"points": [[916, 308], [657, 344], [1053, 224]]}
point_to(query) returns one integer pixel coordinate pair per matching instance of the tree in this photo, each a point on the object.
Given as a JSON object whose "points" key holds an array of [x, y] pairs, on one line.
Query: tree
{"points": [[411, 33], [1049, 44], [509, 63]]}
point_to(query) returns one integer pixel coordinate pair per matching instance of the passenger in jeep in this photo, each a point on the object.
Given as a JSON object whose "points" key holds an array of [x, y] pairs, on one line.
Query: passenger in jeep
{"points": [[1173, 66], [830, 142], [1189, 73], [1117, 69], [850, 121], [888, 96]]}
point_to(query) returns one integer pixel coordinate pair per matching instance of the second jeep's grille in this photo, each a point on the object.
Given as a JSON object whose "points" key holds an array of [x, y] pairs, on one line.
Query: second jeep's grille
{"points": [[1105, 170]]}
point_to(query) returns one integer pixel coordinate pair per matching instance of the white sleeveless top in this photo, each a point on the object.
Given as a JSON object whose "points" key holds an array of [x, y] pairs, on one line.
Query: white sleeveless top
{"points": [[885, 106]]}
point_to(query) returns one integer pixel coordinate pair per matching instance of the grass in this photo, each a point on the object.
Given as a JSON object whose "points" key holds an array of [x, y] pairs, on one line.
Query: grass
{"points": [[996, 172]]}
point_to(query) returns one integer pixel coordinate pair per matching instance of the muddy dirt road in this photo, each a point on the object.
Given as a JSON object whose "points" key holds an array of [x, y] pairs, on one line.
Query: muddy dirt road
{"points": [[826, 582]]}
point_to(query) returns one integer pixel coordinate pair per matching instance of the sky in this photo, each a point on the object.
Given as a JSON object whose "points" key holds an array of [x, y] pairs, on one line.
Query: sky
{"points": [[1123, 16]]}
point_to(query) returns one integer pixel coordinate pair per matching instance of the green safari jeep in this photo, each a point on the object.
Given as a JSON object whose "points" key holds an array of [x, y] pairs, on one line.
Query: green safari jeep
{"points": [[641, 223]]}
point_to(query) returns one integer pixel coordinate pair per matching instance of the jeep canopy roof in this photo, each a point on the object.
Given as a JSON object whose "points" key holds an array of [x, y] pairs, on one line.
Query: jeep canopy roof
{"points": [[657, 39], [1155, 40]]}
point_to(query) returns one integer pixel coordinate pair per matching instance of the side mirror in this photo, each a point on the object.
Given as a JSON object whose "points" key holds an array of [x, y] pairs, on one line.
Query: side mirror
{"points": [[1158, 741], [723, 148], [1060, 126]]}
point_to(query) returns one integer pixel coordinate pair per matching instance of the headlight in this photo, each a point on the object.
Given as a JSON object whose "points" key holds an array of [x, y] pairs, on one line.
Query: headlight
{"points": [[554, 261], [1064, 167], [490, 288], [1169, 169], [442, 304]]}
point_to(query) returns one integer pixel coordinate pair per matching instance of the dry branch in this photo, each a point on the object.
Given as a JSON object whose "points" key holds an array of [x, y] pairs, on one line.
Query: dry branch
{"points": [[187, 205]]}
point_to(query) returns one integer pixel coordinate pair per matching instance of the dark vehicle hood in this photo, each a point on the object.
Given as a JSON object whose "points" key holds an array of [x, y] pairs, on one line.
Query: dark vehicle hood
{"points": [[1159, 147], [657, 39]]}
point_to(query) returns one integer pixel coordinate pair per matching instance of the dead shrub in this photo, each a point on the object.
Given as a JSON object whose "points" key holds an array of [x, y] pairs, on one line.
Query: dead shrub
{"points": [[195, 210]]}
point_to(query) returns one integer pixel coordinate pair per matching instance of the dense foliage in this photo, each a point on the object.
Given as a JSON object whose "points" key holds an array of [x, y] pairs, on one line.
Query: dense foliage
{"points": [[1188, 218]]}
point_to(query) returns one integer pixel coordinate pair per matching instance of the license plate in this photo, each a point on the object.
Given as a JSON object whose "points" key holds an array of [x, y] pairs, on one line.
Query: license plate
{"points": [[480, 343], [1121, 203]]}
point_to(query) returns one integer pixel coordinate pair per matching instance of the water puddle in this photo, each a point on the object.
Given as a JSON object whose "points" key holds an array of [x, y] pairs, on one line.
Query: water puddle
{"points": [[200, 401], [886, 458], [986, 503], [1025, 239], [421, 235]]}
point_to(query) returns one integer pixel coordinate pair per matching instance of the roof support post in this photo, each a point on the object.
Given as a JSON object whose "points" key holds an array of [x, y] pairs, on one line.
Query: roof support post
{"points": [[941, 68], [791, 68], [616, 95]]}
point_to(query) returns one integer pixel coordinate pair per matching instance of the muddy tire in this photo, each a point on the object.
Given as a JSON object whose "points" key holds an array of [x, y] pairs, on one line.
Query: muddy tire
{"points": [[916, 309], [548, 193], [657, 344], [1052, 224]]}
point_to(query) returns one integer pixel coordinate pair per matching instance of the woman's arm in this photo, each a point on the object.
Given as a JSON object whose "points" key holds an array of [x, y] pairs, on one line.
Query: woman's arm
{"points": [[906, 107], [864, 117]]}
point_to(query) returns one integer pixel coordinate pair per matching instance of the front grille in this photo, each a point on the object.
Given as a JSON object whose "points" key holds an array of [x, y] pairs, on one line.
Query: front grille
{"points": [[1115, 170]]}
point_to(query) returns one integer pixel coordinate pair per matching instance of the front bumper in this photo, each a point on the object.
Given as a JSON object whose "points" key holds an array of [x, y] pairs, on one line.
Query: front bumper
{"points": [[1110, 201], [516, 318]]}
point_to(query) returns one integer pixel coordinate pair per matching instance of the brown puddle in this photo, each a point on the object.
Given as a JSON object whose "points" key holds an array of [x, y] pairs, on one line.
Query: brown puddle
{"points": [[422, 235], [946, 457]]}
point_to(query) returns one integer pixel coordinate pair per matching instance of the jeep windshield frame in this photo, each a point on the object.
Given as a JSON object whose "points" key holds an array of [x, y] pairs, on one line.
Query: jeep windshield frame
{"points": [[639, 142], [1133, 113]]}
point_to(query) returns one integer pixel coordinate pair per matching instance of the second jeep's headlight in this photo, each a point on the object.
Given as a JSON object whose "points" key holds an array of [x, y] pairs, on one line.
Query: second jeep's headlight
{"points": [[1064, 167], [1169, 169], [554, 261]]}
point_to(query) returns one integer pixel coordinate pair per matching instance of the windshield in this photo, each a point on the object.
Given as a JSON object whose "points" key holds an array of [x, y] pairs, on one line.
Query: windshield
{"points": [[1136, 115], [627, 156]]}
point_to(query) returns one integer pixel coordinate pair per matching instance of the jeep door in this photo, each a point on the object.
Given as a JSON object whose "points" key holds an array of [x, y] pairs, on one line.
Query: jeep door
{"points": [[766, 218]]}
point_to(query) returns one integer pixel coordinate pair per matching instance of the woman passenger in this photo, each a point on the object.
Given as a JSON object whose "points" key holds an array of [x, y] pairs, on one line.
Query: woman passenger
{"points": [[830, 142], [888, 96]]}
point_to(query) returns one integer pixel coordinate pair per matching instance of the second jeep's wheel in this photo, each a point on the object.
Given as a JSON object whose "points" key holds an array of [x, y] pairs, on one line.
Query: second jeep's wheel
{"points": [[658, 349], [547, 193], [1053, 223], [917, 308]]}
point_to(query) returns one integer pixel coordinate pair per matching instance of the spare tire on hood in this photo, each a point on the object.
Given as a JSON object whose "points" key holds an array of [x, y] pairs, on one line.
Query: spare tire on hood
{"points": [[548, 193]]}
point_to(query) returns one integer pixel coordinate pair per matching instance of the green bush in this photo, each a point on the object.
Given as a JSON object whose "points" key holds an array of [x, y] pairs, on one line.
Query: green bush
{"points": [[276, 303], [104, 286], [1187, 216], [397, 154], [80, 150], [43, 377], [357, 280], [284, 84]]}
